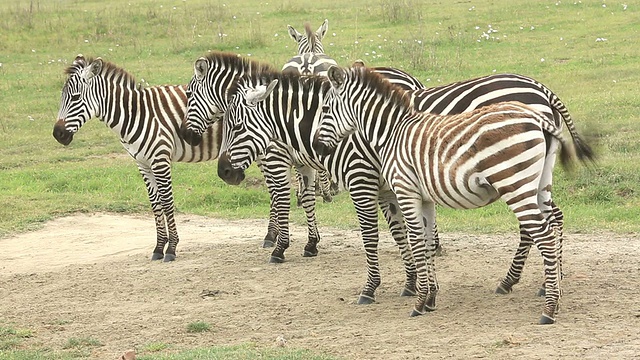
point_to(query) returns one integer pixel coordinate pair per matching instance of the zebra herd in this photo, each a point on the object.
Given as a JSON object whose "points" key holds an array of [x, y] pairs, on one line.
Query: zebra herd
{"points": [[379, 133]]}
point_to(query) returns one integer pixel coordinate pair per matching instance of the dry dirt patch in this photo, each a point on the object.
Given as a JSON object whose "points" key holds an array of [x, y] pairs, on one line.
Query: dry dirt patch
{"points": [[90, 276]]}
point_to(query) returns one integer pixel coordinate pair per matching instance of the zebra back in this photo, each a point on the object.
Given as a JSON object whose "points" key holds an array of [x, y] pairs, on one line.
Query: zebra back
{"points": [[395, 76], [309, 64]]}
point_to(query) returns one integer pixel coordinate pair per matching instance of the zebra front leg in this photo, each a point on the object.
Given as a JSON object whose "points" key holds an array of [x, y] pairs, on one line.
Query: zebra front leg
{"points": [[366, 207], [422, 246], [308, 198], [272, 229], [162, 174], [392, 214], [158, 212]]}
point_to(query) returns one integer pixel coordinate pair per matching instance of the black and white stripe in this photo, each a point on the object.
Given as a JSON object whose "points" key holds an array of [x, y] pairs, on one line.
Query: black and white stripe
{"points": [[147, 120], [461, 161]]}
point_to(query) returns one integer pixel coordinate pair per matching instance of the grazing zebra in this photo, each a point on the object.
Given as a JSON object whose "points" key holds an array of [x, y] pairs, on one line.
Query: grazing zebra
{"points": [[147, 120], [461, 161]]}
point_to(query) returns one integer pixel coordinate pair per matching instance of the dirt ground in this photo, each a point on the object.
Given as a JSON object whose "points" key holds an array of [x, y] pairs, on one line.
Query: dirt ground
{"points": [[90, 276]]}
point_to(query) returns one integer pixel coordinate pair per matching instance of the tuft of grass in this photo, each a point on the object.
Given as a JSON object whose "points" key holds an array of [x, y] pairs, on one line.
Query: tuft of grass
{"points": [[81, 343], [198, 327], [154, 347]]}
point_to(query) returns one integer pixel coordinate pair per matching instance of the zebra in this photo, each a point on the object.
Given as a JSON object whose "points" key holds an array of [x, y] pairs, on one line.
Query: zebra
{"points": [[147, 121], [459, 161]]}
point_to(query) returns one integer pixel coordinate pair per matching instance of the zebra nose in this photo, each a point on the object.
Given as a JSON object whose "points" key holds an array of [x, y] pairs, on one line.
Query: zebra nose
{"points": [[320, 148], [61, 134], [227, 173], [190, 136]]}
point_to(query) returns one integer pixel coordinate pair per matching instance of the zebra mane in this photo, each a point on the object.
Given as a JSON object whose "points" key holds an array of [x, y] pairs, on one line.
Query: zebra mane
{"points": [[112, 70], [311, 37], [369, 78], [238, 63], [264, 77]]}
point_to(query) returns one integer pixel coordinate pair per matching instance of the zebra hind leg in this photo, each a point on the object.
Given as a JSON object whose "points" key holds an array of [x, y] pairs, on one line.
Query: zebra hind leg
{"points": [[517, 264]]}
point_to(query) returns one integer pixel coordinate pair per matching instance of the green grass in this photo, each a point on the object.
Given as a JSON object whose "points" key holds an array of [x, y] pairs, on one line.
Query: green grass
{"points": [[198, 327], [554, 42]]}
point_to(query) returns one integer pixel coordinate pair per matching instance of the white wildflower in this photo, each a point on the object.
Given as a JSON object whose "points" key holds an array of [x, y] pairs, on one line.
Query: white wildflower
{"points": [[624, 6], [31, 118], [533, 27], [604, 5], [334, 34], [276, 35], [542, 60], [601, 39]]}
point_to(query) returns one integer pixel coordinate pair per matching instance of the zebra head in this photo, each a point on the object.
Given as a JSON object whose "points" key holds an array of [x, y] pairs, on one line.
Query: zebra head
{"points": [[339, 112], [244, 134], [80, 95], [310, 42], [205, 104]]}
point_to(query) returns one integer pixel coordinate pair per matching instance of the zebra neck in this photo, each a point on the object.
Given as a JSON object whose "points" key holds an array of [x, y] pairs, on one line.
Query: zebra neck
{"points": [[380, 128], [122, 107]]}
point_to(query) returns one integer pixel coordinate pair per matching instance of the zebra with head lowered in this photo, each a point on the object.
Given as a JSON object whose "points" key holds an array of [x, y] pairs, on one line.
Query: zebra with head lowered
{"points": [[147, 120], [461, 161]]}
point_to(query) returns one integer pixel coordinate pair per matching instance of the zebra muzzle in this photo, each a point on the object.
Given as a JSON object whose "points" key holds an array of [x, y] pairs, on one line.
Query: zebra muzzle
{"points": [[61, 134], [226, 171]]}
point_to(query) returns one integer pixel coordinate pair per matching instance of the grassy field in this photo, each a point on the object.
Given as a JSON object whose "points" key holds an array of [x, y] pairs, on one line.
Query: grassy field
{"points": [[587, 52]]}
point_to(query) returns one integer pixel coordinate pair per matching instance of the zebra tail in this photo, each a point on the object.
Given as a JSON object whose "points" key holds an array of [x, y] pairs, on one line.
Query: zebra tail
{"points": [[584, 152]]}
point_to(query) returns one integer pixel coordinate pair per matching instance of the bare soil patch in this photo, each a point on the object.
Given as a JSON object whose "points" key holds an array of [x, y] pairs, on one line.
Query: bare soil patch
{"points": [[90, 276]]}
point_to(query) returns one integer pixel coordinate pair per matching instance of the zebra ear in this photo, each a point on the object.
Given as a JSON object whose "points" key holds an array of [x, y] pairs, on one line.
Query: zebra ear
{"points": [[295, 35], [358, 62], [79, 58], [94, 68], [200, 68], [336, 76], [322, 30], [261, 92]]}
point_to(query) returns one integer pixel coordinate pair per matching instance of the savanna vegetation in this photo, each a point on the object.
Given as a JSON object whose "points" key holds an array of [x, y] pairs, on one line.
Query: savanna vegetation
{"points": [[587, 52]]}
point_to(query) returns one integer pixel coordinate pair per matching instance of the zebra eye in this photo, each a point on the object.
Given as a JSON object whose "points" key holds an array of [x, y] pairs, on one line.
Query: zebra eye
{"points": [[188, 93], [75, 97], [325, 109]]}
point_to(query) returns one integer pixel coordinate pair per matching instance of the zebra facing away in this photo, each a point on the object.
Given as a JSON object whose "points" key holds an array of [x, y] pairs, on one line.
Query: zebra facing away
{"points": [[147, 120], [461, 161]]}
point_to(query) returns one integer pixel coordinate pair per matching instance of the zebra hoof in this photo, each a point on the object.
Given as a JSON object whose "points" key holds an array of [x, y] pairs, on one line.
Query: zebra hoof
{"points": [[541, 292], [546, 320], [366, 300], [276, 260], [327, 198], [157, 256], [308, 253], [439, 251], [415, 313], [169, 257], [502, 290], [408, 292], [268, 244]]}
